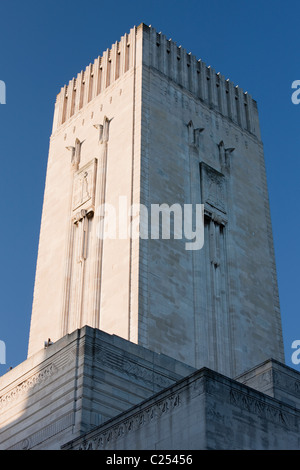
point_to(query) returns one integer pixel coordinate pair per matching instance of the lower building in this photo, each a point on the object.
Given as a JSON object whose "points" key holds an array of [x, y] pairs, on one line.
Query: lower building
{"points": [[92, 390]]}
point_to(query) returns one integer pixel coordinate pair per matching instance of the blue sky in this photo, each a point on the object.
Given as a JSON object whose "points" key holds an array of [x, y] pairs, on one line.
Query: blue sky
{"points": [[43, 44]]}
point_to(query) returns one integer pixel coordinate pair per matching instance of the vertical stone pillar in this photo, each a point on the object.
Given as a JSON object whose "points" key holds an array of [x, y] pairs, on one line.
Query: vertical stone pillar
{"points": [[99, 204]]}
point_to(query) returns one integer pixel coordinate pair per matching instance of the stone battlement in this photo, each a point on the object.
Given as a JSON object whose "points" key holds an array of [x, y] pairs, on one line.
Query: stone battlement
{"points": [[166, 57], [199, 79], [90, 82]]}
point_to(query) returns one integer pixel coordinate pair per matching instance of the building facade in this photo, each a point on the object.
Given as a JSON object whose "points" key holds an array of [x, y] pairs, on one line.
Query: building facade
{"points": [[148, 124], [145, 126]]}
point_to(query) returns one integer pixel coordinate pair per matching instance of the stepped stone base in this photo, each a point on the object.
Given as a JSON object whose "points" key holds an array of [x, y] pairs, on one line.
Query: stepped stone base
{"points": [[77, 383], [92, 390], [208, 411]]}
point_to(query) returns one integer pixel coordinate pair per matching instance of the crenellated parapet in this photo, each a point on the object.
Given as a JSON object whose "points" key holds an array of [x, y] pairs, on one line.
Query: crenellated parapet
{"points": [[200, 80], [164, 56], [89, 83]]}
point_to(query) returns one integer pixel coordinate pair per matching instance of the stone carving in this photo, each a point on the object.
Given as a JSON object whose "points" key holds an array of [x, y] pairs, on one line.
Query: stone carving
{"points": [[103, 130], [64, 360], [224, 156], [194, 134], [287, 383], [100, 130], [131, 368], [213, 188], [84, 186], [105, 438], [25, 386], [261, 409], [76, 154]]}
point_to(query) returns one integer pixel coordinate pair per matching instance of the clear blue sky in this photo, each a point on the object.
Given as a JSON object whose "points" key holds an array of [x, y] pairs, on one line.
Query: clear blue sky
{"points": [[43, 44]]}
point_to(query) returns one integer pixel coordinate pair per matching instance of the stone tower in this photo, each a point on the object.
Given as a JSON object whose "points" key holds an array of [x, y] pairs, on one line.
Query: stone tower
{"points": [[138, 335], [147, 123]]}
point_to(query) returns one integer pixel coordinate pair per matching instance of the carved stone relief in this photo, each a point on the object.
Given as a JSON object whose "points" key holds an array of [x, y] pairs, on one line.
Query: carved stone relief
{"points": [[261, 408], [133, 423], [84, 187], [213, 188], [25, 386]]}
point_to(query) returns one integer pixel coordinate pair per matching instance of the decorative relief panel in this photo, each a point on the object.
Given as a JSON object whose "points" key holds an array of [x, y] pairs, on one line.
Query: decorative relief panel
{"points": [[24, 387], [131, 368], [105, 438], [84, 187], [213, 188], [262, 409], [287, 383], [61, 424]]}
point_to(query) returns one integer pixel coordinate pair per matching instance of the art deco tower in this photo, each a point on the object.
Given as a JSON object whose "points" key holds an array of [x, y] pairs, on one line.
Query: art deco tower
{"points": [[147, 123]]}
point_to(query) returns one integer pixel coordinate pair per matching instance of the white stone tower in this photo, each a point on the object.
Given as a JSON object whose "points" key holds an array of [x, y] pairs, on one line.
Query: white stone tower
{"points": [[121, 324], [148, 123]]}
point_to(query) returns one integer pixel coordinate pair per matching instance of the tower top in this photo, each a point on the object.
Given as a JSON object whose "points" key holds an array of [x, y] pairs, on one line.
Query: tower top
{"points": [[166, 57]]}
